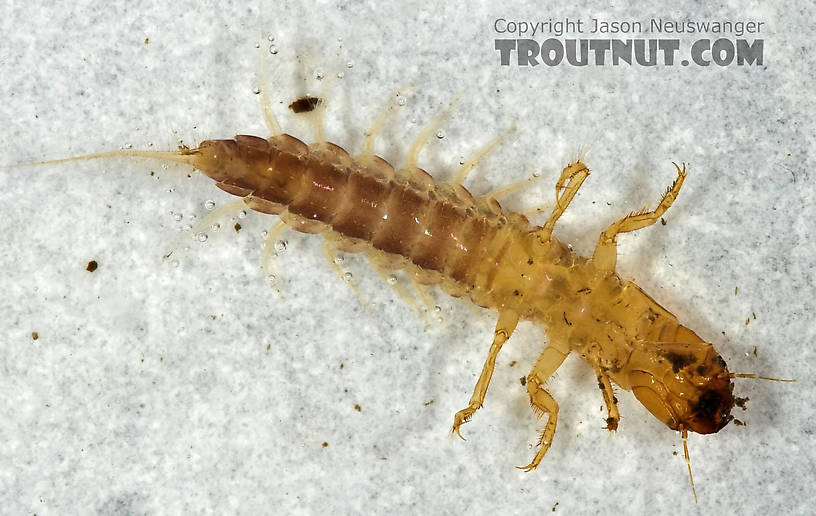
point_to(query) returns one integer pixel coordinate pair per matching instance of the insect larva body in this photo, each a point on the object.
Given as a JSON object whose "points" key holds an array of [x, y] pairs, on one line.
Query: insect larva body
{"points": [[441, 234], [499, 260], [365, 206]]}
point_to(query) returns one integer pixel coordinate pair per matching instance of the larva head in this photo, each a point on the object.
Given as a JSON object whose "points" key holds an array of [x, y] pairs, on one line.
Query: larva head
{"points": [[684, 385]]}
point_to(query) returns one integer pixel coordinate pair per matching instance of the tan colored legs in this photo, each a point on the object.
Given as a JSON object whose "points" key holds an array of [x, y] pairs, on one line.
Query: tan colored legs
{"points": [[541, 400], [606, 252], [570, 181], [504, 328]]}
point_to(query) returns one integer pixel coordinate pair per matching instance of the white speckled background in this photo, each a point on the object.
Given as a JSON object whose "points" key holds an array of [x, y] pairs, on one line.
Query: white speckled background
{"points": [[155, 389]]}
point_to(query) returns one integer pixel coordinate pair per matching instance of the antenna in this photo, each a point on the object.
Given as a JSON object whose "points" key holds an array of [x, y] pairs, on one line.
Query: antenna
{"points": [[684, 433]]}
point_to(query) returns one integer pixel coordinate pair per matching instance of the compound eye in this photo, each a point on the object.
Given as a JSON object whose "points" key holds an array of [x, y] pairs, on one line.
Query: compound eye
{"points": [[647, 391]]}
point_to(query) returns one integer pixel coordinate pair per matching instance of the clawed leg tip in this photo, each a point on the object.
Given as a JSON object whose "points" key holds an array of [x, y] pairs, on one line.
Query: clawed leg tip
{"points": [[461, 417], [681, 168], [455, 431]]}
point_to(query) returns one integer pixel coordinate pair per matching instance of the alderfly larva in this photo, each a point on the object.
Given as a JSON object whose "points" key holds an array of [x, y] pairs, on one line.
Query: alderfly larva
{"points": [[439, 233]]}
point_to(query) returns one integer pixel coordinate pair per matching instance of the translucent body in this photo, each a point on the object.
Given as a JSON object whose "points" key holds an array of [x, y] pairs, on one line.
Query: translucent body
{"points": [[441, 234]]}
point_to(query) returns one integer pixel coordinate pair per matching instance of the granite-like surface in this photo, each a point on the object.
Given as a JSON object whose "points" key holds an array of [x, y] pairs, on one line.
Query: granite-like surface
{"points": [[192, 387]]}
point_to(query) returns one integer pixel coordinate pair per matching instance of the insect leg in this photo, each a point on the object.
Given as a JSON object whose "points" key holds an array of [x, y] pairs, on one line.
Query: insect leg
{"points": [[269, 246], [460, 175], [328, 250], [376, 127], [541, 400], [424, 295], [319, 111], [206, 224], [606, 252], [392, 282], [570, 181], [611, 402], [263, 84], [511, 188], [593, 356], [505, 326], [413, 152]]}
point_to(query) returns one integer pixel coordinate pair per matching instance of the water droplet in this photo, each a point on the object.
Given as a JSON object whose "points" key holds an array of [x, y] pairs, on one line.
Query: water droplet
{"points": [[256, 90], [273, 49], [347, 276], [264, 233], [257, 45], [338, 260], [536, 174], [339, 39], [440, 134], [437, 309], [340, 75], [201, 237], [186, 227], [392, 280], [440, 319], [242, 214], [319, 75], [271, 38], [349, 64], [280, 245], [177, 217], [461, 161], [401, 101], [209, 204], [216, 226], [128, 146]]}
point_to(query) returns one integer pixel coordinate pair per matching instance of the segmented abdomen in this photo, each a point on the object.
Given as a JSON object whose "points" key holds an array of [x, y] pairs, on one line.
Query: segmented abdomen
{"points": [[322, 189]]}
